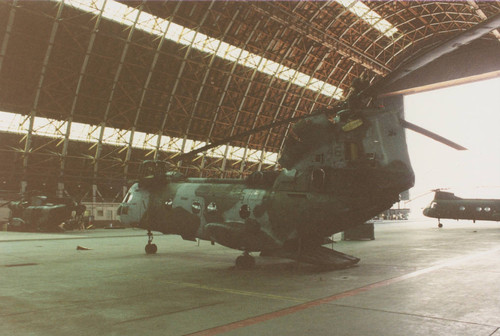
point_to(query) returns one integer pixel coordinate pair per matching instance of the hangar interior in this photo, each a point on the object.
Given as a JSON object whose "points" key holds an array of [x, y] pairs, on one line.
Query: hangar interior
{"points": [[91, 88]]}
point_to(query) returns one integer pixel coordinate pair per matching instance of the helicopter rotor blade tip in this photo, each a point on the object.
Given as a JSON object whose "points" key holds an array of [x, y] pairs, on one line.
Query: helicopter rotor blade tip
{"points": [[432, 135]]}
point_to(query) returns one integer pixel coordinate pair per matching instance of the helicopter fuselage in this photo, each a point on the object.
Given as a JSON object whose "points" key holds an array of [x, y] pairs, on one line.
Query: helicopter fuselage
{"points": [[336, 176], [447, 205]]}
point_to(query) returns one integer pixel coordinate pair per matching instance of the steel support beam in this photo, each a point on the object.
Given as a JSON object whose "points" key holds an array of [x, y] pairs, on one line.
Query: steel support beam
{"points": [[483, 16], [186, 133], [172, 95], [224, 93], [34, 109], [203, 84], [81, 76], [144, 90], [109, 102], [261, 106], [8, 32], [309, 30]]}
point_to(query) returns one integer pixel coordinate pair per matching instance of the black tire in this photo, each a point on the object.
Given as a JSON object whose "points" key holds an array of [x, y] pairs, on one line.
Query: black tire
{"points": [[245, 262], [151, 248]]}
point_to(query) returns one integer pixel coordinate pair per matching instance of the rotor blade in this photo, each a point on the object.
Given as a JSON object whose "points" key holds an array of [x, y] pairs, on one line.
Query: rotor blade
{"points": [[253, 131], [431, 135], [450, 45]]}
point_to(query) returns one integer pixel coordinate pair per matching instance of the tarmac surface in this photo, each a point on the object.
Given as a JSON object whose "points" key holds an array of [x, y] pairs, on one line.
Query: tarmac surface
{"points": [[413, 279]]}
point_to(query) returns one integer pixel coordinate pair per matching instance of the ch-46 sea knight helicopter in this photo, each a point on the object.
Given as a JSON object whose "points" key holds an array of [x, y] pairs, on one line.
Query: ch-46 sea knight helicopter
{"points": [[335, 175], [446, 205], [40, 213]]}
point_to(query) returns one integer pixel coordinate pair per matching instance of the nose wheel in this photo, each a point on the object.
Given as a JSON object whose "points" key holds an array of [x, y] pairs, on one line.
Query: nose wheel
{"points": [[150, 248], [246, 261]]}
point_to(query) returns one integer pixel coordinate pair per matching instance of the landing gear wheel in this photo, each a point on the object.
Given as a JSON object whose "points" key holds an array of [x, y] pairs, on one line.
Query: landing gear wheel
{"points": [[245, 261], [151, 248], [440, 225]]}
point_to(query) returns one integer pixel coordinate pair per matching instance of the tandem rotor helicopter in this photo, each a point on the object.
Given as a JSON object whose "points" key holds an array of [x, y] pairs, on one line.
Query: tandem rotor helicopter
{"points": [[336, 175], [446, 205]]}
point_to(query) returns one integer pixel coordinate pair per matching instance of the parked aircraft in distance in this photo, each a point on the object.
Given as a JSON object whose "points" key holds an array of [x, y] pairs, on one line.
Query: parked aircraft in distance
{"points": [[40, 213], [447, 205]]}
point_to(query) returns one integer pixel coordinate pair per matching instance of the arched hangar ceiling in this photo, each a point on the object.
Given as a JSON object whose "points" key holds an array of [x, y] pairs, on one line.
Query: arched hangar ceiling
{"points": [[159, 78]]}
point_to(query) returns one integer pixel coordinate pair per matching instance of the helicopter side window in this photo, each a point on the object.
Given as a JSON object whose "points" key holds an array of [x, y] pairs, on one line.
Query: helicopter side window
{"points": [[479, 209], [487, 209], [318, 179], [245, 211], [462, 208], [168, 203], [196, 207], [212, 207]]}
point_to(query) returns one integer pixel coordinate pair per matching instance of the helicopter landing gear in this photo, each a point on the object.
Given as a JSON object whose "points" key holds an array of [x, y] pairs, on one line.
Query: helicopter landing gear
{"points": [[246, 261], [150, 248], [440, 225]]}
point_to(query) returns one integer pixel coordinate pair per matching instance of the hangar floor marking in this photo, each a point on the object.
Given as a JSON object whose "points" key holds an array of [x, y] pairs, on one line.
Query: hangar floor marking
{"points": [[291, 310]]}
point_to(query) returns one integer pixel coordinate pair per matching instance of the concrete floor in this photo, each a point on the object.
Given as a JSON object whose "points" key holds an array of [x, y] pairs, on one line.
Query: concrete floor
{"points": [[413, 279]]}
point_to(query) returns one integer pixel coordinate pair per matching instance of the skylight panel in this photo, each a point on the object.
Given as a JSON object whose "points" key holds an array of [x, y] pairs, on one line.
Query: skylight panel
{"points": [[287, 74], [150, 141], [175, 144], [302, 79], [369, 16], [139, 139], [15, 123], [236, 153], [217, 152], [252, 61], [148, 22], [79, 131], [230, 52], [49, 127], [212, 44], [188, 37], [174, 32], [88, 6], [270, 158], [151, 24], [12, 123]]}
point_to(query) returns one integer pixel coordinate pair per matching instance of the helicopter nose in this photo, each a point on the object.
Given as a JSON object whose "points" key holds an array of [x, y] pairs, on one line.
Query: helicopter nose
{"points": [[397, 175], [426, 212]]}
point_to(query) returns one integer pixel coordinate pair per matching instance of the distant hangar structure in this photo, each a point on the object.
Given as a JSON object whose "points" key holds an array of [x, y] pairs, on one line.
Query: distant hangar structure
{"points": [[91, 88]]}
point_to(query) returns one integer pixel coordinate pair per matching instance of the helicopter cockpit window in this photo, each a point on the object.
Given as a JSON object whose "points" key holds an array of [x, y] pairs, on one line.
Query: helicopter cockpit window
{"points": [[434, 205], [127, 198], [196, 207], [318, 179]]}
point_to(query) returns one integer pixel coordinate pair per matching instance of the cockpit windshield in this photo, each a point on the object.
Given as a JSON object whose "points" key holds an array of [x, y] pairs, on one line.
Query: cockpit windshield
{"points": [[128, 198]]}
